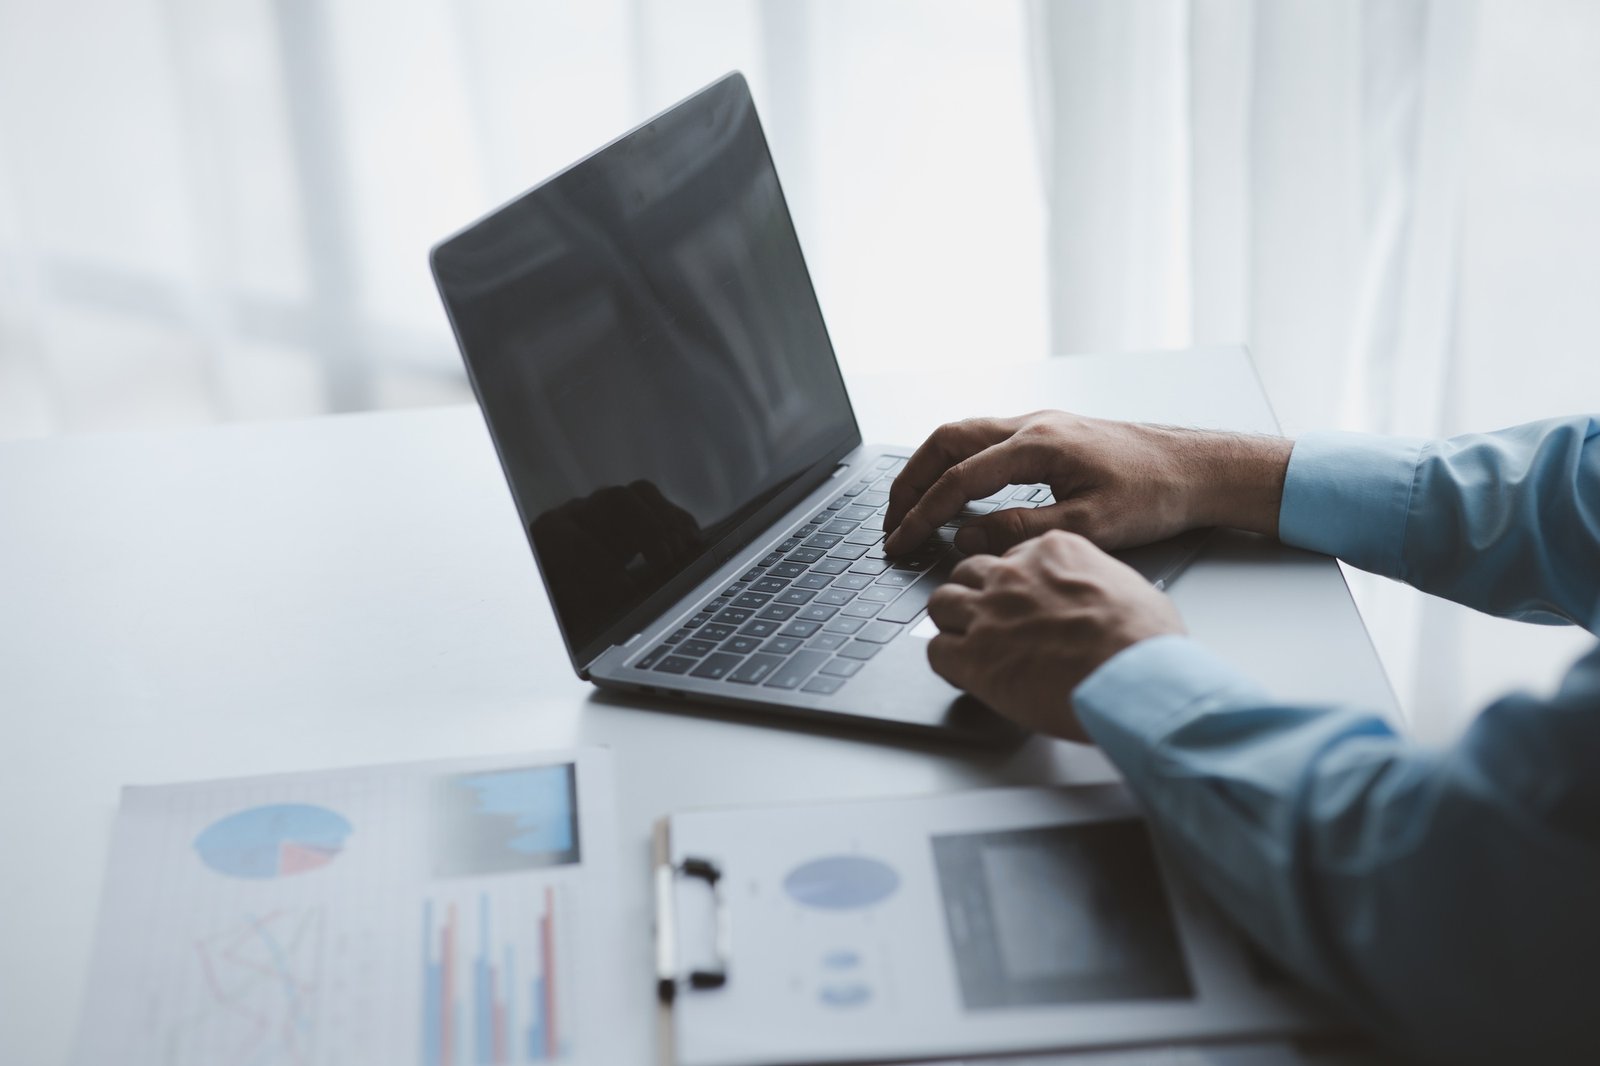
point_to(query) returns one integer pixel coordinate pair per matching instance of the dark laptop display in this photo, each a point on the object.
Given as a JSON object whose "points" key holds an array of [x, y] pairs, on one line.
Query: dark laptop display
{"points": [[645, 343]]}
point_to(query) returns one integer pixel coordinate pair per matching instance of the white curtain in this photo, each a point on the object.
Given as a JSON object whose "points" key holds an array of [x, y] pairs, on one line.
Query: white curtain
{"points": [[1281, 172], [212, 211]]}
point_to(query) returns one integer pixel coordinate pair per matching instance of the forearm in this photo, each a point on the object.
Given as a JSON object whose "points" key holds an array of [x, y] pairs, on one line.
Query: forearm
{"points": [[1440, 896]]}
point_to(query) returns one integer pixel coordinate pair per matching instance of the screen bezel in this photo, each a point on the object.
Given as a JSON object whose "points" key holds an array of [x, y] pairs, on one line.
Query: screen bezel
{"points": [[782, 499]]}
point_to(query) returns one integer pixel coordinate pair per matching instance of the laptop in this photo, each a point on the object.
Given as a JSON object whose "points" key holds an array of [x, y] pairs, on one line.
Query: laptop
{"points": [[645, 343]]}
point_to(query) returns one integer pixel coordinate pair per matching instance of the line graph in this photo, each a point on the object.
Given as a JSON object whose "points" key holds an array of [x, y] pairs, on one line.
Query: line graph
{"points": [[258, 983]]}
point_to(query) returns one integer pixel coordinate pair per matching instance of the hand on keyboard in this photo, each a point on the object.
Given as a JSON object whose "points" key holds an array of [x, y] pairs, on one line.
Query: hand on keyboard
{"points": [[1119, 484]]}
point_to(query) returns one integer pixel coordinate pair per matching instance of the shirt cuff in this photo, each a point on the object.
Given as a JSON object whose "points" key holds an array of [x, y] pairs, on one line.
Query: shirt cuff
{"points": [[1348, 495], [1146, 691]]}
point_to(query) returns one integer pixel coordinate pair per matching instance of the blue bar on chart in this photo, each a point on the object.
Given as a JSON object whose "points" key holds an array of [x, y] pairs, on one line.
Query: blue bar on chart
{"points": [[491, 1036]]}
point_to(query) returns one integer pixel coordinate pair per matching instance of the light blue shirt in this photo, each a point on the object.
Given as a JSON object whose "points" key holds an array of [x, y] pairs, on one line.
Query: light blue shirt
{"points": [[1447, 898]]}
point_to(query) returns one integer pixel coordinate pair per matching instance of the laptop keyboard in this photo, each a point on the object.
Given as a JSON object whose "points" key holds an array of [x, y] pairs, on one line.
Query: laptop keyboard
{"points": [[825, 600]]}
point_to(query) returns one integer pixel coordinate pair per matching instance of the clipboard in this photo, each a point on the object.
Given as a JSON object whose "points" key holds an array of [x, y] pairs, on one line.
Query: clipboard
{"points": [[906, 930]]}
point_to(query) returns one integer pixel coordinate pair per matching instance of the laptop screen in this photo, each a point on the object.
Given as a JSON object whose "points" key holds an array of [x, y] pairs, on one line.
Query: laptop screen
{"points": [[649, 355]]}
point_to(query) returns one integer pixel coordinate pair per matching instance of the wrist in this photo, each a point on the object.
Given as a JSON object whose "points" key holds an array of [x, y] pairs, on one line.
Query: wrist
{"points": [[1236, 480]]}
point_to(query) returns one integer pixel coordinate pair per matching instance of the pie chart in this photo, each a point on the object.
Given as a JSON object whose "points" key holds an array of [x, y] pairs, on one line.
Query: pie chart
{"points": [[841, 882], [276, 840]]}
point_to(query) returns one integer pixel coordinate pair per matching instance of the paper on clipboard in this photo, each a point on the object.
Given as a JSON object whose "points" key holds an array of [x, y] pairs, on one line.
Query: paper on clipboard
{"points": [[949, 926]]}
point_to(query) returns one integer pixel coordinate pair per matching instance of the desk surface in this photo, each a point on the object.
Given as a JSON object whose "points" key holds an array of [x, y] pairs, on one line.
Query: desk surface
{"points": [[356, 589]]}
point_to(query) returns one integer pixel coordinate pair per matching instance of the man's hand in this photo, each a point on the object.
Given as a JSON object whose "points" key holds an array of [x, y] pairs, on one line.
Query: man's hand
{"points": [[1120, 484], [1021, 632]]}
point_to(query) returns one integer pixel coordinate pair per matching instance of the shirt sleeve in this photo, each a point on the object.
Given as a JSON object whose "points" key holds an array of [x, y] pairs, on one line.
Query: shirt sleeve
{"points": [[1505, 522], [1445, 898]]}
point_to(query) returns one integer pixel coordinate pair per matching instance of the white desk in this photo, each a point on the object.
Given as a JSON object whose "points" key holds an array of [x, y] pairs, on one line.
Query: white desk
{"points": [[357, 589]]}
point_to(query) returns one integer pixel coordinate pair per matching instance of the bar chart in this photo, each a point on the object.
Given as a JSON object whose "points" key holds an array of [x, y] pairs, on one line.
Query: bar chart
{"points": [[492, 986]]}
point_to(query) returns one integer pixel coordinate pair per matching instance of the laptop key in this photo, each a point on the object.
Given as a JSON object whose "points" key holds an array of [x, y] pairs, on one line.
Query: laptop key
{"points": [[878, 632], [835, 597], [852, 581], [818, 612], [823, 540], [778, 612], [800, 666], [899, 578], [758, 627], [700, 619], [840, 527], [858, 649], [831, 566], [845, 624], [827, 641], [751, 599], [771, 560], [789, 545], [814, 581], [770, 585], [781, 645], [798, 597], [880, 593], [855, 513], [673, 638], [695, 648], [841, 667], [755, 669], [733, 616], [738, 645], [675, 664], [865, 537], [822, 685], [869, 566], [914, 562], [862, 609], [805, 555], [648, 661], [752, 574], [788, 569], [873, 499], [799, 628], [716, 667], [715, 631], [851, 552], [911, 602]]}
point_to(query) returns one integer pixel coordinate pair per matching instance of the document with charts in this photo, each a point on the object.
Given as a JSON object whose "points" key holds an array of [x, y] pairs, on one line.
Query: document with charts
{"points": [[437, 914], [969, 924]]}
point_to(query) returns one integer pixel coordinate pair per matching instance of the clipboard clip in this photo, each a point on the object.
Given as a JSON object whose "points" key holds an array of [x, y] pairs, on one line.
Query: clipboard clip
{"points": [[668, 977]]}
